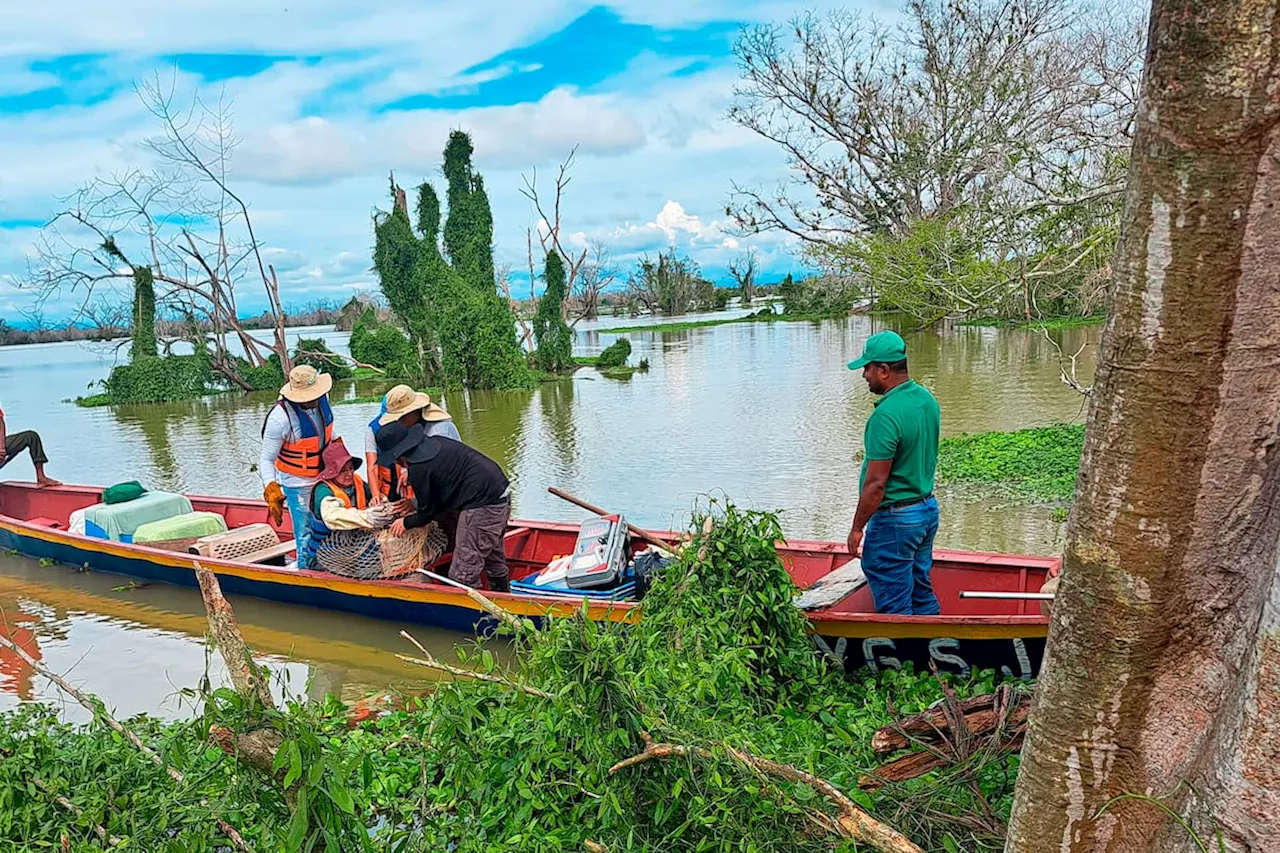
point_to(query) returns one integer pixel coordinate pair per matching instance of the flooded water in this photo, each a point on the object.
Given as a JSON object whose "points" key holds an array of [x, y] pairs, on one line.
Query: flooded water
{"points": [[766, 414]]}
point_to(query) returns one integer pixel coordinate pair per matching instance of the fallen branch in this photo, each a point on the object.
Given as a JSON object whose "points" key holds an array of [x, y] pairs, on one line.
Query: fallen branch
{"points": [[245, 675], [429, 660], [982, 715], [75, 810], [851, 822], [915, 764], [519, 625], [100, 713]]}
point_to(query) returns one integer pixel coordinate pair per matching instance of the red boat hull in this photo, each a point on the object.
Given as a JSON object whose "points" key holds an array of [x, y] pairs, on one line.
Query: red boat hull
{"points": [[1006, 635]]}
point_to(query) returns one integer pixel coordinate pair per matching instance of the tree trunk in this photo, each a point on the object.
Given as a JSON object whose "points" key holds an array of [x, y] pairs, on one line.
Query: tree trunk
{"points": [[143, 344], [1163, 662]]}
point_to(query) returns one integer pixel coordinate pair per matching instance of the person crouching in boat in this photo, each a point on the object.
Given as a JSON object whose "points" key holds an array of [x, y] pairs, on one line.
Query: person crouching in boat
{"points": [[897, 516], [409, 407], [448, 476], [349, 534], [294, 434]]}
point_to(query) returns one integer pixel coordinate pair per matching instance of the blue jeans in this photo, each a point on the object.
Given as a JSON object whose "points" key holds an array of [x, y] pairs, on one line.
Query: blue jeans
{"points": [[298, 500], [897, 556]]}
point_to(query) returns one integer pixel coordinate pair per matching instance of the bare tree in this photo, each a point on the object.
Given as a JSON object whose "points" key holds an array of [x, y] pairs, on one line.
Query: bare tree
{"points": [[1156, 723], [596, 275], [549, 226], [743, 270], [182, 221]]}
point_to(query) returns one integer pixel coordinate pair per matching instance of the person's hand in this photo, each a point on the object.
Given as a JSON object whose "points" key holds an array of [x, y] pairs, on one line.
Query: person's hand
{"points": [[855, 543], [4, 455], [397, 528], [274, 496], [403, 507]]}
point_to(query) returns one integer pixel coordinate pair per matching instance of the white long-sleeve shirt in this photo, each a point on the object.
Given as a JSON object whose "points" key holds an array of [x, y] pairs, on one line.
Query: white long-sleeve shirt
{"points": [[282, 425]]}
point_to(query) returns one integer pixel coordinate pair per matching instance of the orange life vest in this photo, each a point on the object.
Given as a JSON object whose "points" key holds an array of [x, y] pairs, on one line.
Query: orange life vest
{"points": [[381, 477], [301, 457], [340, 494]]}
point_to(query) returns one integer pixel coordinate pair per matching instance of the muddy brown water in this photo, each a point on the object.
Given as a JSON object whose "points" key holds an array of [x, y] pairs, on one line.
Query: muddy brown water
{"points": [[765, 414]]}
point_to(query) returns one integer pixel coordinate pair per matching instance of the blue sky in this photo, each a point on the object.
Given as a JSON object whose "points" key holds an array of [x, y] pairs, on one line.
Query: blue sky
{"points": [[330, 95]]}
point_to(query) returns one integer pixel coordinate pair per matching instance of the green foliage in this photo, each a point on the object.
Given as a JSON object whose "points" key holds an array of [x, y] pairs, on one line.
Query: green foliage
{"points": [[615, 355], [719, 659], [551, 333], [160, 380], [1040, 463], [384, 345], [143, 343], [460, 330], [828, 296], [1052, 324], [264, 377], [315, 352]]}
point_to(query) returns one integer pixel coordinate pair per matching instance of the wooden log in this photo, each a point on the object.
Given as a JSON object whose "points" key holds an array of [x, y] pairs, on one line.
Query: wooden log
{"points": [[982, 715], [916, 764]]}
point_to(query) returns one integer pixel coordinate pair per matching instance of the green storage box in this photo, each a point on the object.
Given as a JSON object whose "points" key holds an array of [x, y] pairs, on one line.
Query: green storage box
{"points": [[191, 525]]}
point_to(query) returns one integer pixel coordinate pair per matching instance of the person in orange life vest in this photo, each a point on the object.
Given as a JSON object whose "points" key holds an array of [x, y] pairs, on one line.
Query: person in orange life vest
{"points": [[411, 408], [342, 501], [294, 434]]}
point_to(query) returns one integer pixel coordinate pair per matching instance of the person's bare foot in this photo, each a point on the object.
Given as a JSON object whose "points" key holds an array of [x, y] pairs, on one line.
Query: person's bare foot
{"points": [[43, 482]]}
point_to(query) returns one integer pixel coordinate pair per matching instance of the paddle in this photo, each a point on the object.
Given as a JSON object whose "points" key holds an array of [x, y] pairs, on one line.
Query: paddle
{"points": [[631, 528]]}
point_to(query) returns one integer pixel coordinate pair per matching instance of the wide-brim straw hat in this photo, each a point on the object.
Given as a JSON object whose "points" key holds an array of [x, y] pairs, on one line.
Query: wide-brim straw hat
{"points": [[433, 413], [400, 401], [306, 384]]}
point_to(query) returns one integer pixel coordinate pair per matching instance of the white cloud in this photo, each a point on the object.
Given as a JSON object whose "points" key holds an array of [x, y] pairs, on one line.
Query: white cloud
{"points": [[655, 156]]}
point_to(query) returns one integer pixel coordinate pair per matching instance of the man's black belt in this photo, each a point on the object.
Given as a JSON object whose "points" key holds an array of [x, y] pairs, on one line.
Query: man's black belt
{"points": [[901, 504]]}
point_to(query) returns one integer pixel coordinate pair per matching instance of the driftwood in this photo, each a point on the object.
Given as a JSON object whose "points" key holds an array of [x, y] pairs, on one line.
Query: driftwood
{"points": [[915, 764], [949, 734], [982, 715], [256, 748], [99, 712], [851, 822]]}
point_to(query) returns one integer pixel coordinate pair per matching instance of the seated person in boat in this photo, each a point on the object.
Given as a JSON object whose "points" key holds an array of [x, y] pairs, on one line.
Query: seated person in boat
{"points": [[11, 444], [349, 533], [448, 476], [897, 516], [409, 407]]}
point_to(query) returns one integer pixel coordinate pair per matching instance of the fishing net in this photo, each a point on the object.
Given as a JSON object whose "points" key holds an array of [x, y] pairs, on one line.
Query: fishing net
{"points": [[377, 555]]}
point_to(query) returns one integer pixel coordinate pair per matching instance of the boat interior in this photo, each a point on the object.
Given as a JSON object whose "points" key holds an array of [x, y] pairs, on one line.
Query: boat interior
{"points": [[532, 545]]}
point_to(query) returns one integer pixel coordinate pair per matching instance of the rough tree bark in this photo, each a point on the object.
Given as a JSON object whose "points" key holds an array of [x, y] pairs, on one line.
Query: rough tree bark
{"points": [[1163, 664]]}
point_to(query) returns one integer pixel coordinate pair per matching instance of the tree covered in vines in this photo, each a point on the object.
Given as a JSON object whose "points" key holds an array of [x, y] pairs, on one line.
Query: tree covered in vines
{"points": [[441, 284], [552, 335]]}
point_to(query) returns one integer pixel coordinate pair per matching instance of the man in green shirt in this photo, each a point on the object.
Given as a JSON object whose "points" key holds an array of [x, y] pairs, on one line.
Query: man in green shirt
{"points": [[897, 515]]}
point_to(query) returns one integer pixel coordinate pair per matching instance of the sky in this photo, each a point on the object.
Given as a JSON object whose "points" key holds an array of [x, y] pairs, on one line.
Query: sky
{"points": [[329, 96]]}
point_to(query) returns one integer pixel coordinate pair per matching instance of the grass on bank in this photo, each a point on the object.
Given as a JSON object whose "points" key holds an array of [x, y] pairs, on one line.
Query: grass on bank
{"points": [[1039, 464]]}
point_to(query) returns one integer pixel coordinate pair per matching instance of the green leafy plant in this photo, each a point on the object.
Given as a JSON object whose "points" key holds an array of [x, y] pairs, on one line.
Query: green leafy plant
{"points": [[615, 355], [551, 334], [1039, 463]]}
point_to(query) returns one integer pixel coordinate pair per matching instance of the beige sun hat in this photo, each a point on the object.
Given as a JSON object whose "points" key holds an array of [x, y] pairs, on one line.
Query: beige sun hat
{"points": [[433, 413], [306, 384], [401, 400]]}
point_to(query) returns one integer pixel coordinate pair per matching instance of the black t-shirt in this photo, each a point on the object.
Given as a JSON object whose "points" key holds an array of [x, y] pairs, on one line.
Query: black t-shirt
{"points": [[458, 478]]}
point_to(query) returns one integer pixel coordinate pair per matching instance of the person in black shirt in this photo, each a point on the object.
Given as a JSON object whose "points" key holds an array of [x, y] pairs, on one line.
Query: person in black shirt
{"points": [[447, 475]]}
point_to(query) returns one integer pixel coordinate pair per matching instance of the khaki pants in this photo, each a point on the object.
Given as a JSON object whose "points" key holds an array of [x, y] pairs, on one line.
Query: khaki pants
{"points": [[480, 546]]}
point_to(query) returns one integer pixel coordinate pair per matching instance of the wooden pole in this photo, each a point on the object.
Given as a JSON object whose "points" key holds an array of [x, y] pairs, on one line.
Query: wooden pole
{"points": [[631, 528]]}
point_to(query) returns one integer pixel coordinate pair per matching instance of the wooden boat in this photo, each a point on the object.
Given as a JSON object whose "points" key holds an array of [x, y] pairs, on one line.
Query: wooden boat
{"points": [[1002, 634]]}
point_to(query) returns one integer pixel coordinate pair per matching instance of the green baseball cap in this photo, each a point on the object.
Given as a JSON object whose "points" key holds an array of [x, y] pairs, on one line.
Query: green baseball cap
{"points": [[886, 347]]}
